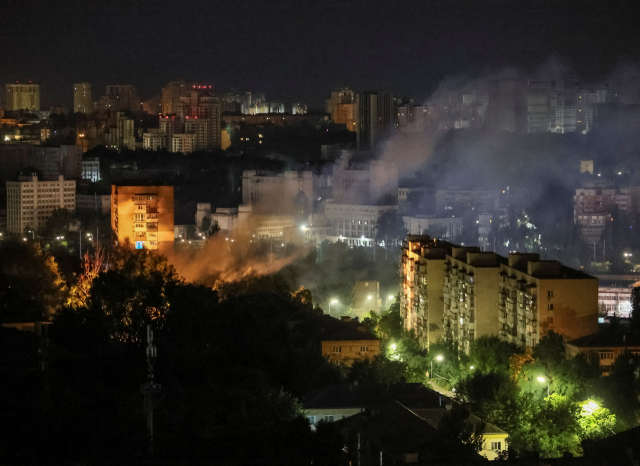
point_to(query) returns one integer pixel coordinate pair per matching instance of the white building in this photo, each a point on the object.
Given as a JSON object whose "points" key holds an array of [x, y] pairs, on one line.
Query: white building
{"points": [[183, 143], [31, 202], [100, 203], [443, 228], [155, 139], [614, 293], [354, 224], [91, 169], [243, 218]]}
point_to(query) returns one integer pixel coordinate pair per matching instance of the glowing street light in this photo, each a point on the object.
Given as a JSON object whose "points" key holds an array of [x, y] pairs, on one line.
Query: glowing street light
{"points": [[438, 358], [333, 301], [543, 380], [472, 367], [386, 303]]}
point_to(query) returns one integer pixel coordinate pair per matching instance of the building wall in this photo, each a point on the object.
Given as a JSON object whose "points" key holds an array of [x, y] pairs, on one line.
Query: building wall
{"points": [[469, 292], [375, 118], [445, 228], [100, 203], [142, 216], [270, 191], [347, 352], [604, 355], [91, 169], [22, 97], [355, 222], [31, 202], [532, 303], [422, 276], [82, 98]]}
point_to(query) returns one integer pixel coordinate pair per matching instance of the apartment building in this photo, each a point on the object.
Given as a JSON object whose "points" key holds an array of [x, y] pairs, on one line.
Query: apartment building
{"points": [[143, 216], [536, 296], [469, 295], [22, 96], [99, 203], [268, 191], [31, 202], [604, 348], [65, 160], [593, 204], [82, 98], [422, 275]]}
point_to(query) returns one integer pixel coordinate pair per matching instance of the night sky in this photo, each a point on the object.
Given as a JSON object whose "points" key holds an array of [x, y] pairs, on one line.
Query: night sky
{"points": [[301, 50]]}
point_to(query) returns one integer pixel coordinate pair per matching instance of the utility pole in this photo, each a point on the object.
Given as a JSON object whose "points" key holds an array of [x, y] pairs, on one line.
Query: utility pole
{"points": [[150, 389]]}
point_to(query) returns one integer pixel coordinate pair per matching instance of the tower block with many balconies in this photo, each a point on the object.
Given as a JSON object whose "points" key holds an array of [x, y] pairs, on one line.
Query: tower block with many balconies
{"points": [[142, 216]]}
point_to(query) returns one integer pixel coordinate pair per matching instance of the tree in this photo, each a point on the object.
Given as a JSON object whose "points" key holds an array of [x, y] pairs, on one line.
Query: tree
{"points": [[489, 353], [390, 228], [91, 267], [31, 286], [57, 224]]}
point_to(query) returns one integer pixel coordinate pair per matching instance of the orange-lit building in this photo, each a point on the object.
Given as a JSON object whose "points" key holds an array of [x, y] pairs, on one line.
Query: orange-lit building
{"points": [[422, 273], [346, 341], [143, 216]]}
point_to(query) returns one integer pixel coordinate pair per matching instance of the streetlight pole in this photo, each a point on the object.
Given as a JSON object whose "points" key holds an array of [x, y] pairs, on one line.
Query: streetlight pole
{"points": [[439, 358], [333, 301], [542, 379], [386, 302]]}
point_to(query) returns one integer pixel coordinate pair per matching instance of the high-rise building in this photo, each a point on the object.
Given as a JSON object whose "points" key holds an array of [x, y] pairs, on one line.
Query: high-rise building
{"points": [[172, 93], [65, 160], [422, 274], [142, 216], [470, 287], [290, 191], [119, 97], [537, 296], [31, 202], [82, 98], [593, 205], [199, 114], [22, 96], [374, 183], [519, 299], [342, 108], [375, 118]]}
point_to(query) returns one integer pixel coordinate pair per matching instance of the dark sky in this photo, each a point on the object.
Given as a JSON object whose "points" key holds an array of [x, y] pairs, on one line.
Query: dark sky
{"points": [[300, 50]]}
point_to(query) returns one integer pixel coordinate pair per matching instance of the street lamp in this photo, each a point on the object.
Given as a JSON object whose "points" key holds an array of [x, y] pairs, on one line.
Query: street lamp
{"points": [[472, 367], [32, 234], [543, 380], [333, 301], [386, 303], [438, 358], [366, 301]]}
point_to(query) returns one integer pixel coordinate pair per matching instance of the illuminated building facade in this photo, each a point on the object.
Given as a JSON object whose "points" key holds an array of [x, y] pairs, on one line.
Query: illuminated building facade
{"points": [[469, 292], [537, 296], [31, 202], [82, 98], [422, 281], [142, 216], [22, 96]]}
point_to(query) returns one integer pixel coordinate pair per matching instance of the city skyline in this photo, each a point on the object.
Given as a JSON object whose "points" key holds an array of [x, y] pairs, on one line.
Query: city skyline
{"points": [[422, 44]]}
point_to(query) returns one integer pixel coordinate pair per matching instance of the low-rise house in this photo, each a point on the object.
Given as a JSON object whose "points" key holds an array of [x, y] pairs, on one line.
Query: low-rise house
{"points": [[426, 409], [346, 341], [604, 347]]}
